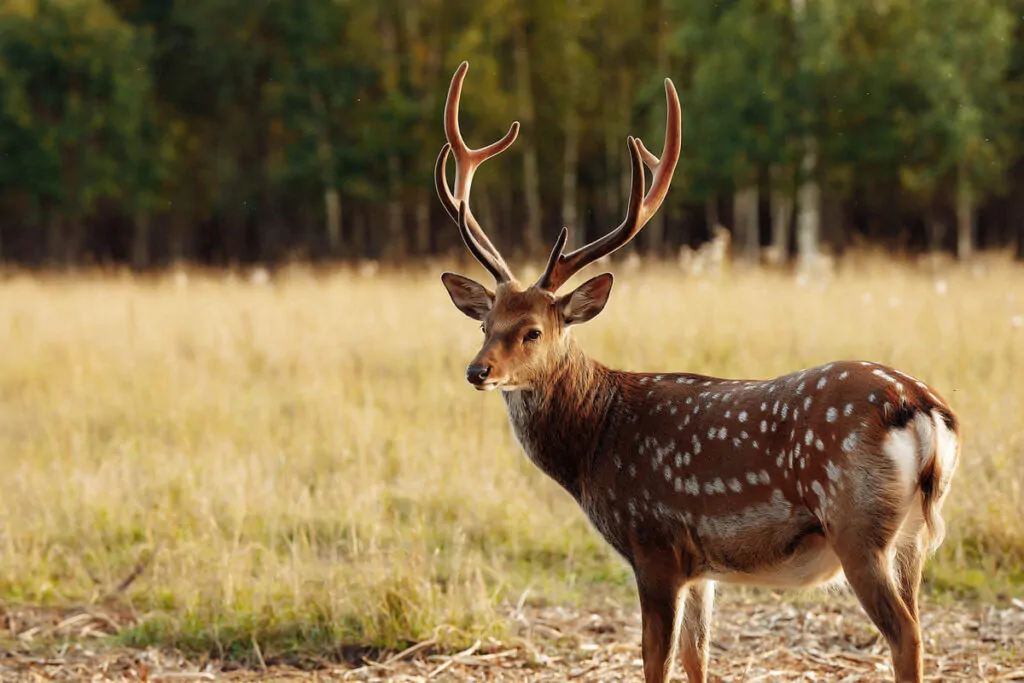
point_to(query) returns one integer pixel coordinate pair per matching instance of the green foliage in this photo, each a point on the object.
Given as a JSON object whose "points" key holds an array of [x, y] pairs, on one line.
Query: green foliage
{"points": [[73, 125], [239, 117]]}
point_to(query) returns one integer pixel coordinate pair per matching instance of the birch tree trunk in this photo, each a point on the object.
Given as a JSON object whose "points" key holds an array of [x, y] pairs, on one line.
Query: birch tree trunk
{"points": [[325, 158], [964, 215], [808, 223], [655, 230], [745, 218], [613, 173], [808, 219], [782, 211], [571, 157], [625, 97], [531, 174], [395, 247]]}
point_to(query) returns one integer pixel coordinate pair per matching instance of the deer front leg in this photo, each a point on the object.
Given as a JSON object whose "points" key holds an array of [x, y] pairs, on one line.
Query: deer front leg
{"points": [[659, 608], [696, 630]]}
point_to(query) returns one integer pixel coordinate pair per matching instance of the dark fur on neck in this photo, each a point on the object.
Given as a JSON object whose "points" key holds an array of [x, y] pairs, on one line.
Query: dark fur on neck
{"points": [[561, 424]]}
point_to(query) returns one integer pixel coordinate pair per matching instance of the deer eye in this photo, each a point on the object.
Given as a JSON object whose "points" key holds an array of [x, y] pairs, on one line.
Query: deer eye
{"points": [[532, 335], [483, 328]]}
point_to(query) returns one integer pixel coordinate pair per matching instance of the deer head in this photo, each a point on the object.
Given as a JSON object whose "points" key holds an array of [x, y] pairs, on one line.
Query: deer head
{"points": [[526, 329]]}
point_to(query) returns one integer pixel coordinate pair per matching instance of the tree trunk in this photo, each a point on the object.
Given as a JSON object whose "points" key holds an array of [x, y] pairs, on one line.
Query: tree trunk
{"points": [[54, 237], [141, 240], [654, 232], [422, 222], [625, 97], [808, 221], [935, 229], [711, 216], [360, 242], [613, 173], [325, 158], [570, 176], [395, 247], [332, 207], [746, 228], [176, 239], [833, 219], [964, 216], [571, 156], [531, 174], [782, 211]]}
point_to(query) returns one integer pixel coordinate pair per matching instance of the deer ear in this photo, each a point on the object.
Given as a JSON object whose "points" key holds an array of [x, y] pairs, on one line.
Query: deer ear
{"points": [[469, 296], [587, 300]]}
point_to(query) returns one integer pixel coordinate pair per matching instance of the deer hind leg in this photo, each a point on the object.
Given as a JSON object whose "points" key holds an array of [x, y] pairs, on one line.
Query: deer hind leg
{"points": [[908, 561], [696, 629], [659, 611], [869, 573]]}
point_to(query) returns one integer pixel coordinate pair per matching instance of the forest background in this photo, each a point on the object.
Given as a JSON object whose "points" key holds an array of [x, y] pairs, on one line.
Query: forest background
{"points": [[150, 132]]}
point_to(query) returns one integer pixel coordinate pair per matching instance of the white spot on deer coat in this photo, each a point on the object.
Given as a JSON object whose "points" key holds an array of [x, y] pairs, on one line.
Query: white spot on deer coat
{"points": [[850, 442], [692, 487]]}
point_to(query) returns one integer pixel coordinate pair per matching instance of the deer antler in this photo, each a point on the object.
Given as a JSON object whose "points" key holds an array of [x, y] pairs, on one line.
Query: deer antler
{"points": [[467, 160], [561, 267]]}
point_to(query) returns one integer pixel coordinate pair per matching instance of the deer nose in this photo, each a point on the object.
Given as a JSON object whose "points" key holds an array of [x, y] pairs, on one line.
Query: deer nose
{"points": [[476, 374]]}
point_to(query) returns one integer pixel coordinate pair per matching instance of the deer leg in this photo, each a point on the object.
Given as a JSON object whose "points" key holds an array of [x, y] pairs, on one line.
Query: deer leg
{"points": [[909, 562], [870, 575], [659, 609], [696, 630]]}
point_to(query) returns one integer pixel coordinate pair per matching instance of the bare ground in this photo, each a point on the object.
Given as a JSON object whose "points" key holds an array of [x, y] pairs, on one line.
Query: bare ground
{"points": [[768, 638]]}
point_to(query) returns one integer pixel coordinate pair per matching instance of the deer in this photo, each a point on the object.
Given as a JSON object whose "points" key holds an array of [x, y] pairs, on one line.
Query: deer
{"points": [[832, 472]]}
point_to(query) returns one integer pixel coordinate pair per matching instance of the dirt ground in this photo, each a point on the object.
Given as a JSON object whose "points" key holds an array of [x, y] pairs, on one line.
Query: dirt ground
{"points": [[768, 638]]}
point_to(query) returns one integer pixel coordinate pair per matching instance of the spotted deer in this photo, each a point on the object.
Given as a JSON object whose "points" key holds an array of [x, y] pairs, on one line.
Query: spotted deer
{"points": [[786, 482]]}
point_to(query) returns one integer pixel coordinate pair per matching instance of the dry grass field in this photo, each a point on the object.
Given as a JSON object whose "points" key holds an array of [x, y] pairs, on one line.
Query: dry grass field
{"points": [[297, 467]]}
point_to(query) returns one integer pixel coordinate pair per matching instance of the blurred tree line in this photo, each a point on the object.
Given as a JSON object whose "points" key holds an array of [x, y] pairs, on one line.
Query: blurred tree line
{"points": [[149, 131]]}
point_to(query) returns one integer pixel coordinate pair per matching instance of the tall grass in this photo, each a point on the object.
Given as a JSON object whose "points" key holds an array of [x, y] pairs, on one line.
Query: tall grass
{"points": [[305, 466]]}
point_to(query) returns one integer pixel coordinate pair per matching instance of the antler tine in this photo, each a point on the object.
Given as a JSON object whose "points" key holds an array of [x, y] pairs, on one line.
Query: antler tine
{"points": [[641, 208], [467, 160], [496, 267]]}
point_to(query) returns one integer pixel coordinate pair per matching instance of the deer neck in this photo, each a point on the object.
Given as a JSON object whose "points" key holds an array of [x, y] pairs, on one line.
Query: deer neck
{"points": [[562, 425]]}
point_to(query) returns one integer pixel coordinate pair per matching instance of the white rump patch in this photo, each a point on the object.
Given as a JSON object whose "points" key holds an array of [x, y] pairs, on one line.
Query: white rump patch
{"points": [[946, 450], [901, 447]]}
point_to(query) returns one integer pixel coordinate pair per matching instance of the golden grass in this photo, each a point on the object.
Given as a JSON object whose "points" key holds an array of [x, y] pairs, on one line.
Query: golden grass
{"points": [[308, 468]]}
